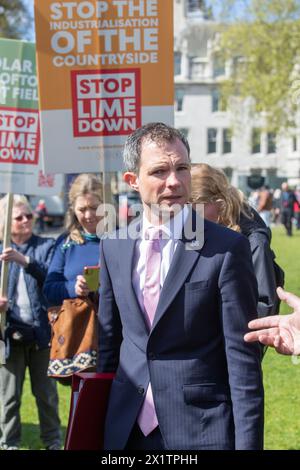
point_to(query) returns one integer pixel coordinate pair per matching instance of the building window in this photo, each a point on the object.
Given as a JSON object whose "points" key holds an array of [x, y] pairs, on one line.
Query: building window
{"points": [[227, 134], [212, 140], [193, 5], [184, 131], [218, 66], [177, 63], [238, 65], [197, 68], [215, 100], [271, 139], [228, 172], [295, 144], [218, 102], [256, 144], [179, 96]]}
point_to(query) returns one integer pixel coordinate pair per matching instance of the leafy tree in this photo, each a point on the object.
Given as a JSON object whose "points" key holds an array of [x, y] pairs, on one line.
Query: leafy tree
{"points": [[261, 41], [15, 19]]}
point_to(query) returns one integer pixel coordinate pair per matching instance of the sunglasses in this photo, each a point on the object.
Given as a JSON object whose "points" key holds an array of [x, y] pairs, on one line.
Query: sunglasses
{"points": [[23, 216]]}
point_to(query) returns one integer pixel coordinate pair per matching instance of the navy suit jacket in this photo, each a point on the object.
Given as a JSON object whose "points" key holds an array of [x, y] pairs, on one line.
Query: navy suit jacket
{"points": [[206, 381]]}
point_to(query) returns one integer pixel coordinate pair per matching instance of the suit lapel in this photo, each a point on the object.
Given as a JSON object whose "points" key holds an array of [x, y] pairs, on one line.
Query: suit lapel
{"points": [[180, 268], [186, 255], [126, 258], [183, 261]]}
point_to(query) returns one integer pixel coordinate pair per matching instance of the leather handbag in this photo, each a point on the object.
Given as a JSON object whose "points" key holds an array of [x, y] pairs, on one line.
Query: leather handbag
{"points": [[74, 340]]}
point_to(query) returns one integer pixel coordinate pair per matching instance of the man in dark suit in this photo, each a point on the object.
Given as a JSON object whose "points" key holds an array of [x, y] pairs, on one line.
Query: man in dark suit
{"points": [[185, 379]]}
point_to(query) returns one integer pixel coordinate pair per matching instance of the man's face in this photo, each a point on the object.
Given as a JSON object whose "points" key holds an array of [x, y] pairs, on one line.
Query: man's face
{"points": [[164, 177]]}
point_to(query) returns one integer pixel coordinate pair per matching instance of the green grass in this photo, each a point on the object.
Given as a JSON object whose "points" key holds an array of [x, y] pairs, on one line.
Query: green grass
{"points": [[29, 416], [281, 376]]}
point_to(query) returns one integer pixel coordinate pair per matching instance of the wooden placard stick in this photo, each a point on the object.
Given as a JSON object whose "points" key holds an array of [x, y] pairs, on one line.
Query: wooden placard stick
{"points": [[4, 272]]}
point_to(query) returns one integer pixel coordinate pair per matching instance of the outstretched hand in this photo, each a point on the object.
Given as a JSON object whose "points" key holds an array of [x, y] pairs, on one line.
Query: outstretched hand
{"points": [[281, 332]]}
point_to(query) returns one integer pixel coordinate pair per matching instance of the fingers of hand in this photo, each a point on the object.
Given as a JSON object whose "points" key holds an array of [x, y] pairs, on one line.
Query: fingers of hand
{"points": [[267, 322], [9, 254], [277, 341], [81, 288], [82, 292], [267, 340], [262, 336], [291, 299]]}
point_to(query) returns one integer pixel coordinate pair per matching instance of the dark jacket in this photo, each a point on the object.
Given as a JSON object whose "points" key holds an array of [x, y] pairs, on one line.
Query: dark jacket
{"points": [[39, 251], [287, 201], [206, 380], [259, 236]]}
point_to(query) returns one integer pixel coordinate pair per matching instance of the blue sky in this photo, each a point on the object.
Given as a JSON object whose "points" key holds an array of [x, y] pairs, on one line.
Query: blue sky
{"points": [[237, 7], [30, 4]]}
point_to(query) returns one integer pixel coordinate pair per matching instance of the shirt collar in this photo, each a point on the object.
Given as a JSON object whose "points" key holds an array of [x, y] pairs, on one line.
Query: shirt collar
{"points": [[173, 228]]}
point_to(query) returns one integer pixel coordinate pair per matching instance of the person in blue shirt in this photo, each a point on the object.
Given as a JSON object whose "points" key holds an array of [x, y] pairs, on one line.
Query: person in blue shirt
{"points": [[78, 246]]}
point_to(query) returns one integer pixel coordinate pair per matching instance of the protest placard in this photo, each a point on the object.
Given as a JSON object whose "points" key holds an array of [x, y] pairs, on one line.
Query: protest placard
{"points": [[20, 163], [105, 68]]}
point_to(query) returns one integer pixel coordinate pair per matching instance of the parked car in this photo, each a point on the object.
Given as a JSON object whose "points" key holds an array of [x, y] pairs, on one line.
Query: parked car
{"points": [[55, 209], [126, 201]]}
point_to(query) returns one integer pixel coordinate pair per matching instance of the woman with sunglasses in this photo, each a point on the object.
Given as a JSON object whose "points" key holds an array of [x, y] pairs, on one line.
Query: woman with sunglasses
{"points": [[27, 332]]}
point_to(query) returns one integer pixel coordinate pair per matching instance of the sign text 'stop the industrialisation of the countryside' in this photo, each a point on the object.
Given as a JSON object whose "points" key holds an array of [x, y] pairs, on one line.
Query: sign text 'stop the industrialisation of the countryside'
{"points": [[105, 68]]}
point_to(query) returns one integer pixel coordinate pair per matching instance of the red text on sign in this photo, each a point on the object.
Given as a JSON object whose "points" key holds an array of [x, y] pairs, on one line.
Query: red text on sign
{"points": [[19, 136]]}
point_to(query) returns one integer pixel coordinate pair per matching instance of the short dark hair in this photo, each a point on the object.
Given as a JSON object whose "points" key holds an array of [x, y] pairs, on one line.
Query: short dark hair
{"points": [[157, 132]]}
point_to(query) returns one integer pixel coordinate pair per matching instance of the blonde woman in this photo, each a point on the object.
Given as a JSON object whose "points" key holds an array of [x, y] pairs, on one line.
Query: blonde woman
{"points": [[27, 330], [226, 205], [77, 247]]}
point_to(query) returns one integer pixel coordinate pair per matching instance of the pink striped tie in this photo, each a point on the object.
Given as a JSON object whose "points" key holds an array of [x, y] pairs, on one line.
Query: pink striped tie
{"points": [[147, 418]]}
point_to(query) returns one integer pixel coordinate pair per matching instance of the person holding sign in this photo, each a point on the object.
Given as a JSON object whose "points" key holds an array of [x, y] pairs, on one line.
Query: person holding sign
{"points": [[176, 295], [74, 267], [27, 332]]}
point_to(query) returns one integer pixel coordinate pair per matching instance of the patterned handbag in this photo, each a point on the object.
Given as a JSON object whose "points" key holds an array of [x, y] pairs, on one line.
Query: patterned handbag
{"points": [[74, 340]]}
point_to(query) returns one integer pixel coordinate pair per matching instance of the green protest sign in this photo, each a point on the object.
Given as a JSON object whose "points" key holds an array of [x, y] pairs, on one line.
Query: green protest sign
{"points": [[18, 81], [20, 162]]}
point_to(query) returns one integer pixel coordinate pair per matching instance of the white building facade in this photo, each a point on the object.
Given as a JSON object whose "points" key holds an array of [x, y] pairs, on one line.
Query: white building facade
{"points": [[199, 113]]}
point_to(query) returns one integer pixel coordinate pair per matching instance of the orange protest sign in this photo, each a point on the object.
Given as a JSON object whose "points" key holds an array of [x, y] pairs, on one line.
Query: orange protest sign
{"points": [[104, 68]]}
